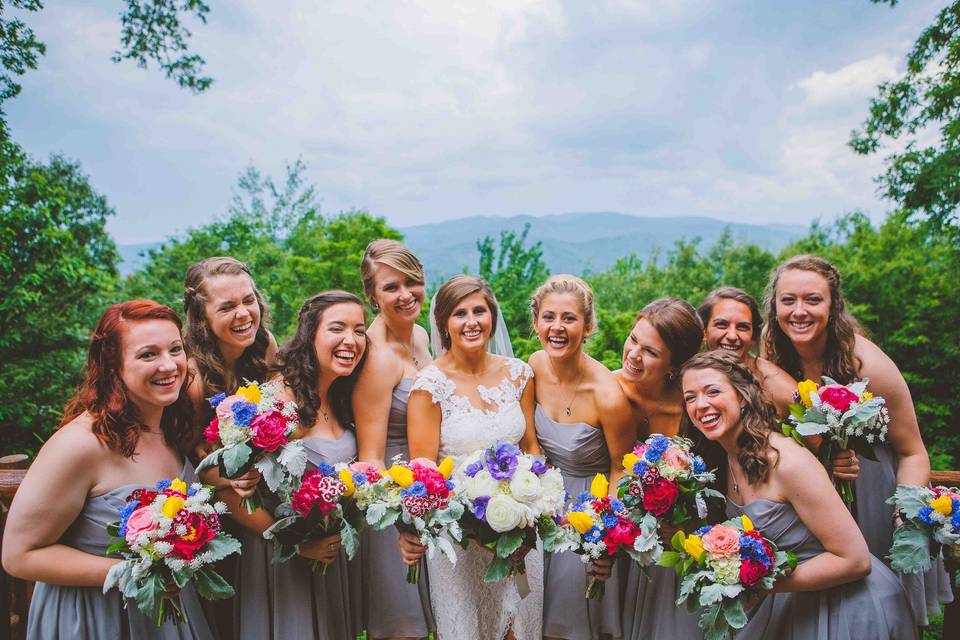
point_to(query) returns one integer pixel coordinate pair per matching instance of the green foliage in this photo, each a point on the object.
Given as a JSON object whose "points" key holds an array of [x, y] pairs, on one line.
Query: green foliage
{"points": [[923, 177], [57, 267], [19, 48]]}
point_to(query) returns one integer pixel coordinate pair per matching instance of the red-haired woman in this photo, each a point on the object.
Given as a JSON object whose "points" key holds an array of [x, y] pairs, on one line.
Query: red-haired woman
{"points": [[124, 429]]}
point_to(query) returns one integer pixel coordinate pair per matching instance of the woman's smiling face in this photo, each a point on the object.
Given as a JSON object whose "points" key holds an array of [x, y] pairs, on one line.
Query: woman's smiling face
{"points": [[803, 304], [730, 327], [646, 357], [470, 323]]}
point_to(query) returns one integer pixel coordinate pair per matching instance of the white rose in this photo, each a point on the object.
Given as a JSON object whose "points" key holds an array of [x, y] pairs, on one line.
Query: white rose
{"points": [[504, 513], [525, 486], [232, 434], [481, 484]]}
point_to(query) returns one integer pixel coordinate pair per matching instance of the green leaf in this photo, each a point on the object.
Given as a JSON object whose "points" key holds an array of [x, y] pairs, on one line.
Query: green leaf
{"points": [[273, 474], [211, 585], [350, 540], [734, 614], [211, 460], [222, 546], [509, 542], [910, 552], [149, 591], [670, 559], [497, 570], [235, 458]]}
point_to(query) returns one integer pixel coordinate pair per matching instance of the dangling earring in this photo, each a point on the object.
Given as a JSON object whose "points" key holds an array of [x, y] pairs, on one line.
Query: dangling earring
{"points": [[743, 411]]}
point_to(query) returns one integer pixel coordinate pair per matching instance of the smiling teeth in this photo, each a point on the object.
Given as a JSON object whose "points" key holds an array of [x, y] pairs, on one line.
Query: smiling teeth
{"points": [[242, 328], [165, 381], [632, 369], [557, 341], [471, 334], [730, 347], [710, 419], [344, 355], [801, 325]]}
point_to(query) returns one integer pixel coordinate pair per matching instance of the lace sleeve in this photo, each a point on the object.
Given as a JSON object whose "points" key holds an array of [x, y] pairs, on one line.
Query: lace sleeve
{"points": [[520, 371], [433, 381]]}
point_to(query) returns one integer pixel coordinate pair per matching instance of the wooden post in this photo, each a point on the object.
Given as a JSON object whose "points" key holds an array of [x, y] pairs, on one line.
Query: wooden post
{"points": [[14, 594]]}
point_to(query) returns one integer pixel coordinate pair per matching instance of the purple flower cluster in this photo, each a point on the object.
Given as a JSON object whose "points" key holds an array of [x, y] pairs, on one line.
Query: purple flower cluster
{"points": [[502, 460]]}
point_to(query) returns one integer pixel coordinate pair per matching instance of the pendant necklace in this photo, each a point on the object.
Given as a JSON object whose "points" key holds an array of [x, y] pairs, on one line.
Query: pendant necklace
{"points": [[568, 410], [733, 476], [409, 350]]}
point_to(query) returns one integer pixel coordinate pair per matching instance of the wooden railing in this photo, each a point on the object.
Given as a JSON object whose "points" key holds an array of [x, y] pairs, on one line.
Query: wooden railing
{"points": [[15, 594]]}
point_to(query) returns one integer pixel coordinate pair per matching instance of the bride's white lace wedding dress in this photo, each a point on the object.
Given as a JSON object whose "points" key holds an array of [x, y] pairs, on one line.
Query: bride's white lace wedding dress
{"points": [[466, 607]]}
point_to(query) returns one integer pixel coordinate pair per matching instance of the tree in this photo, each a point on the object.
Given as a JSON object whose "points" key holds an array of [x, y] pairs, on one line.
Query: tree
{"points": [[924, 178], [19, 48], [57, 270]]}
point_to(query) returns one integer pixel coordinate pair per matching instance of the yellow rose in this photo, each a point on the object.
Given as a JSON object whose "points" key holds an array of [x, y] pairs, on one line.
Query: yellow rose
{"points": [[347, 479], [866, 396], [179, 486], [943, 504], [172, 506], [250, 393], [580, 521], [629, 460], [805, 388], [401, 475], [599, 486], [693, 545], [747, 524], [446, 468]]}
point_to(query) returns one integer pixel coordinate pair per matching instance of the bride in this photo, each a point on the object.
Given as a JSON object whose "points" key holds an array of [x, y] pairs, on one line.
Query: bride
{"points": [[465, 401]]}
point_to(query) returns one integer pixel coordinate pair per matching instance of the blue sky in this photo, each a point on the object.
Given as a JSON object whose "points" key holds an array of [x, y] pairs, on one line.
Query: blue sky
{"points": [[428, 110]]}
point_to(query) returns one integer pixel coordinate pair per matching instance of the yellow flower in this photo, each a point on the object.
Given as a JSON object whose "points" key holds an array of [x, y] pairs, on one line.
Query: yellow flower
{"points": [[401, 475], [866, 396], [172, 506], [347, 479], [805, 388], [629, 460], [599, 486], [446, 468], [250, 393], [943, 504], [179, 486], [694, 546], [747, 524], [580, 521]]}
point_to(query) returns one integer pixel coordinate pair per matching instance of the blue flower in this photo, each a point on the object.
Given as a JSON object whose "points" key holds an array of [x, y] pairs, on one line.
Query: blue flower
{"points": [[163, 484], [243, 413], [640, 467], [698, 465], [658, 444], [610, 521], [502, 460], [325, 469], [473, 469], [125, 514], [755, 549], [191, 491], [955, 518], [450, 485], [479, 507], [359, 478], [538, 467], [702, 530], [583, 496], [924, 516], [593, 535], [417, 490], [217, 399], [617, 505]]}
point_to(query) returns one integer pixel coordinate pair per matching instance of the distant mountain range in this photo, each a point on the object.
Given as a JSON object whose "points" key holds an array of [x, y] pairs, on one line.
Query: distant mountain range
{"points": [[571, 242]]}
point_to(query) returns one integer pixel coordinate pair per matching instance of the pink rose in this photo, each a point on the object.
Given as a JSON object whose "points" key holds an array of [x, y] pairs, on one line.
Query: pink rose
{"points": [[676, 458], [139, 522], [426, 463], [838, 397], [269, 431], [722, 541]]}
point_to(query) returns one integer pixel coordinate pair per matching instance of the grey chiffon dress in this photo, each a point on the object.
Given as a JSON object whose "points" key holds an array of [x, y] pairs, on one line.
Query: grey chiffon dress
{"points": [[580, 452], [873, 608], [650, 610], [86, 613], [876, 482], [393, 607], [289, 600]]}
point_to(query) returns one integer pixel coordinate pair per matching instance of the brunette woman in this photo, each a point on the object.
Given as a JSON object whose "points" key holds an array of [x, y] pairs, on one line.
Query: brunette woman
{"points": [[732, 322], [838, 590], [666, 333], [810, 334], [398, 348], [123, 430], [583, 425], [318, 367]]}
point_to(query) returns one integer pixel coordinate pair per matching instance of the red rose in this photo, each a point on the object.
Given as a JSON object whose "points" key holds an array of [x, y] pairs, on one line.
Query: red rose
{"points": [[145, 496], [751, 572], [212, 432], [269, 431], [838, 397], [199, 532], [660, 495], [623, 533]]}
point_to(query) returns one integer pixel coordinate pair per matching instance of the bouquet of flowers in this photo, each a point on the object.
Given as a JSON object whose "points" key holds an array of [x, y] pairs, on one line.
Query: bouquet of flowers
{"points": [[931, 523], [847, 416], [169, 537], [416, 497], [504, 493], [318, 508], [253, 428], [665, 482], [720, 566], [601, 527]]}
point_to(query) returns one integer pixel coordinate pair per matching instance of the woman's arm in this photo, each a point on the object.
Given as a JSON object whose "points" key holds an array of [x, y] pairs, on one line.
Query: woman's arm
{"points": [[52, 495], [806, 486], [423, 425], [616, 420], [372, 396], [528, 404], [913, 463], [777, 384]]}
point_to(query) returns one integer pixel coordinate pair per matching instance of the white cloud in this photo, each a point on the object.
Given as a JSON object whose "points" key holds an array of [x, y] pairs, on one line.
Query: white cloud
{"points": [[852, 82]]}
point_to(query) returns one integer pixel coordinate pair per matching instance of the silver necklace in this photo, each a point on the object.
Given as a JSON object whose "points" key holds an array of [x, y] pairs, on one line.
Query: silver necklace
{"points": [[733, 476], [568, 410]]}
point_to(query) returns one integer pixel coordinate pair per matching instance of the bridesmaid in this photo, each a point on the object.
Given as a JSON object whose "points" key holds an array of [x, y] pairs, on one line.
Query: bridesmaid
{"points": [[318, 367], [810, 334], [125, 428], [583, 424], [393, 282], [228, 341], [838, 591], [732, 322], [666, 333]]}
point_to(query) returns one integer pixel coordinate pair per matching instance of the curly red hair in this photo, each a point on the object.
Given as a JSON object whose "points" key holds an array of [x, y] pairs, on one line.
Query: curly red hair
{"points": [[103, 395]]}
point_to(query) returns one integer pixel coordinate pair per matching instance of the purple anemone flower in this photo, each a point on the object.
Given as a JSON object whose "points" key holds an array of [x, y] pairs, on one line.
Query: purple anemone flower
{"points": [[473, 468], [480, 507], [502, 460], [538, 467]]}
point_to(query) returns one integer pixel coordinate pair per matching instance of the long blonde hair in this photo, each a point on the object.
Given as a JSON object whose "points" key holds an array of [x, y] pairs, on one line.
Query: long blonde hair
{"points": [[565, 283]]}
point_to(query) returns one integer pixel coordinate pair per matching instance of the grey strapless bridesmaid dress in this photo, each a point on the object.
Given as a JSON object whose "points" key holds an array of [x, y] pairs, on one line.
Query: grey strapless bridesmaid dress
{"points": [[290, 600], [580, 452], [874, 608], [86, 613], [877, 482], [392, 607]]}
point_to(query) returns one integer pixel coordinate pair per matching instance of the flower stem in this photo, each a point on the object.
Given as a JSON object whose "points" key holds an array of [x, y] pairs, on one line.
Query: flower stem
{"points": [[595, 589], [413, 573]]}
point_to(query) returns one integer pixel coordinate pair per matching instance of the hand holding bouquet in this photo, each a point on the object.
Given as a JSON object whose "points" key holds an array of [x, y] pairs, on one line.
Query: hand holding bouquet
{"points": [[505, 492], [321, 506], [847, 416], [253, 428], [417, 497], [931, 522], [169, 537], [722, 565]]}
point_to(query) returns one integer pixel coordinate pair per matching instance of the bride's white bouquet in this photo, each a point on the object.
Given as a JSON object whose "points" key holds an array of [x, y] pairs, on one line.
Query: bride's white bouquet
{"points": [[505, 492]]}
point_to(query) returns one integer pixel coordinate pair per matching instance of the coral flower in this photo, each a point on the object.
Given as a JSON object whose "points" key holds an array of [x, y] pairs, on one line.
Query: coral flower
{"points": [[722, 541]]}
